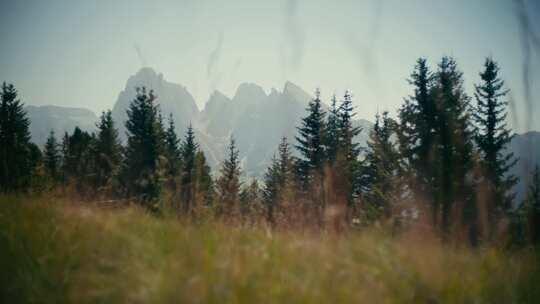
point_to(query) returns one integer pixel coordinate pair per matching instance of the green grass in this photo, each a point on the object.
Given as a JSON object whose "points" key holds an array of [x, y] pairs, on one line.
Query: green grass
{"points": [[55, 251]]}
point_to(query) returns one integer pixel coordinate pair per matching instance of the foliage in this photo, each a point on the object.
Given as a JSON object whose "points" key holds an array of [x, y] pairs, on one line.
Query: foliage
{"points": [[17, 161], [57, 251]]}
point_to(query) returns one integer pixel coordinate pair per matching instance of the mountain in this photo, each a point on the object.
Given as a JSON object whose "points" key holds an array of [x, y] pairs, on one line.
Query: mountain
{"points": [[257, 121], [43, 119], [526, 147], [172, 98]]}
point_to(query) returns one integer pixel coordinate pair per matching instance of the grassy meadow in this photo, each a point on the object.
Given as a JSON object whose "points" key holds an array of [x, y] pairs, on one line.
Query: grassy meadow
{"points": [[59, 251]]}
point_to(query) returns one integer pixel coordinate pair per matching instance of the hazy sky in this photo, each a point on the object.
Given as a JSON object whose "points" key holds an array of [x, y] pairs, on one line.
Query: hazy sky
{"points": [[80, 53]]}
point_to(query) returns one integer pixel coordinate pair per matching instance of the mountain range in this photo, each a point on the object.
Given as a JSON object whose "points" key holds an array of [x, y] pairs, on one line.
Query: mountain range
{"points": [[256, 119]]}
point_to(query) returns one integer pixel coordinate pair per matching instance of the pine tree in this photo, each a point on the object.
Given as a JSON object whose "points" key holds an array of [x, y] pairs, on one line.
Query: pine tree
{"points": [[107, 151], [204, 190], [16, 166], [332, 136], [311, 142], [348, 165], [52, 158], [271, 190], [250, 200], [64, 151], [188, 150], [38, 179], [382, 168], [172, 149], [310, 166], [74, 146], [228, 183], [141, 169], [492, 137], [278, 190], [76, 160], [533, 207], [286, 163], [454, 149], [417, 133]]}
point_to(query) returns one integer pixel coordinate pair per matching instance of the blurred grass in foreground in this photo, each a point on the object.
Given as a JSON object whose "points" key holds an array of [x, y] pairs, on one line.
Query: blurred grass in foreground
{"points": [[54, 251]]}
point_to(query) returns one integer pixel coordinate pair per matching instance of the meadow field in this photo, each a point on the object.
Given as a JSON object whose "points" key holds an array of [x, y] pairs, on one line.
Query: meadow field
{"points": [[55, 250]]}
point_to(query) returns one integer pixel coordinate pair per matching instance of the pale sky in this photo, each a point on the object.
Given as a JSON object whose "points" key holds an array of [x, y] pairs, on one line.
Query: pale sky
{"points": [[80, 53]]}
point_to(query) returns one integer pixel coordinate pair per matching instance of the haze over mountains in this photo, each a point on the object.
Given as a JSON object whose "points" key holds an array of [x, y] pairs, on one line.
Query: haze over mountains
{"points": [[255, 118]]}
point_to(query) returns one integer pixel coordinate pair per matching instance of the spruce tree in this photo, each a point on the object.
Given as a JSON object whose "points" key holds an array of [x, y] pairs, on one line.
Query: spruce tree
{"points": [[250, 200], [492, 137], [348, 165], [16, 166], [310, 165], [74, 150], [533, 207], [76, 161], [381, 171], [141, 168], [278, 190], [204, 190], [271, 190], [107, 151], [332, 135], [228, 183], [454, 149], [310, 142], [172, 149], [417, 133], [187, 177], [52, 158]]}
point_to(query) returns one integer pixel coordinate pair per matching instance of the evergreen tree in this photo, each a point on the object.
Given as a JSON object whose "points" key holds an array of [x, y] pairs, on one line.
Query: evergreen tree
{"points": [[172, 149], [278, 190], [38, 179], [311, 142], [228, 183], [77, 163], [188, 149], [271, 190], [454, 149], [52, 158], [107, 151], [204, 190], [436, 148], [310, 166], [141, 169], [492, 137], [16, 166], [64, 151], [348, 151], [74, 149], [332, 135], [286, 164], [381, 172], [250, 200], [417, 133], [533, 207]]}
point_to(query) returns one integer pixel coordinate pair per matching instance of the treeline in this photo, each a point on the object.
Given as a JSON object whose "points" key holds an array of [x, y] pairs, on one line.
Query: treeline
{"points": [[442, 163]]}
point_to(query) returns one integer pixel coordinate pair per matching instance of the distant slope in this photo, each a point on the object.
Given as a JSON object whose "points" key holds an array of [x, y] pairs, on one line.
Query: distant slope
{"points": [[43, 119], [526, 147]]}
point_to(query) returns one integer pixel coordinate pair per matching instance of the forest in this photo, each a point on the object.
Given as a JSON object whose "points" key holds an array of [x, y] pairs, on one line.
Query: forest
{"points": [[426, 212]]}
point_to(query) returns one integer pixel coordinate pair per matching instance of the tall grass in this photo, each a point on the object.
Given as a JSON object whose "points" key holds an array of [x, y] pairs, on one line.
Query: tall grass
{"points": [[56, 251]]}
